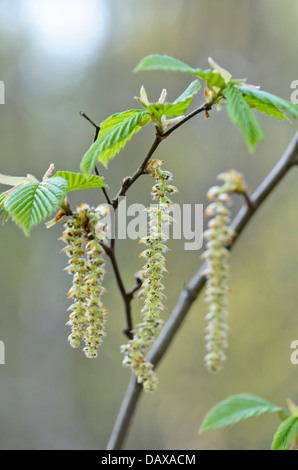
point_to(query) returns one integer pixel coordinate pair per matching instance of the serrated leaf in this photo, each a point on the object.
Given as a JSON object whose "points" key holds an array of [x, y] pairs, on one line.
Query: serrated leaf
{"points": [[268, 98], [163, 62], [178, 107], [114, 120], [238, 408], [2, 201], [241, 115], [115, 132], [190, 92], [79, 181], [285, 434], [266, 108], [167, 63], [157, 110], [214, 78], [32, 203]]}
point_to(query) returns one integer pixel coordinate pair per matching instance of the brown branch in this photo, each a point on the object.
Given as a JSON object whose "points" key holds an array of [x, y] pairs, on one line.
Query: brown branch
{"points": [[97, 128], [128, 181], [126, 296], [193, 289]]}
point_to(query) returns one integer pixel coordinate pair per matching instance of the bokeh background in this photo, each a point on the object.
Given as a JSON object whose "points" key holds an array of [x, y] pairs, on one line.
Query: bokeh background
{"points": [[59, 57]]}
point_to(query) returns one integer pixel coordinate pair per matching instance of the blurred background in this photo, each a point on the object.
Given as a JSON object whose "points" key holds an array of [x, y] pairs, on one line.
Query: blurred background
{"points": [[60, 57]]}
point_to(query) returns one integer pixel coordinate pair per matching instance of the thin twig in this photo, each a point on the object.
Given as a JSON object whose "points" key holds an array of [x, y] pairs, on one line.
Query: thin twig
{"points": [[248, 201], [204, 107], [191, 292], [127, 298], [97, 129], [127, 182], [135, 288]]}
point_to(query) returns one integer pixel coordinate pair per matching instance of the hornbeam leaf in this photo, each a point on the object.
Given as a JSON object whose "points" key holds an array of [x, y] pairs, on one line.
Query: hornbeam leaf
{"points": [[2, 201], [115, 132], [285, 434], [212, 77], [167, 63], [163, 62], [238, 408], [269, 99], [178, 107], [33, 202], [190, 91], [241, 114], [79, 181], [266, 108]]}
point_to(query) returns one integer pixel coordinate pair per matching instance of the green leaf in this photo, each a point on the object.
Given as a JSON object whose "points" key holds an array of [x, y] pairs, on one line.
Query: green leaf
{"points": [[32, 203], [190, 92], [223, 72], [285, 434], [115, 132], [179, 106], [266, 108], [2, 201], [241, 115], [269, 99], [163, 62], [214, 78], [167, 63], [237, 408], [79, 181]]}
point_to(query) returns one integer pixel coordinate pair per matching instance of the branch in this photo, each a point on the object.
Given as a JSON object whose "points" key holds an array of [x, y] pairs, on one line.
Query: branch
{"points": [[126, 296], [190, 293]]}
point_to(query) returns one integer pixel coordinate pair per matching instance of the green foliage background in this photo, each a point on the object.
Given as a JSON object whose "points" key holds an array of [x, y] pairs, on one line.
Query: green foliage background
{"points": [[51, 396]]}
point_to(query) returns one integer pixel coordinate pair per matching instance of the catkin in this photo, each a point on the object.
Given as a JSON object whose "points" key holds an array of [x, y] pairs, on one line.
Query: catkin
{"points": [[83, 236], [152, 291], [219, 236]]}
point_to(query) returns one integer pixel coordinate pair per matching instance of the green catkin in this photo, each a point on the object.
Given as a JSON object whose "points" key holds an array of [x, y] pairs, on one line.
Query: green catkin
{"points": [[83, 236], [219, 236], [152, 291]]}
